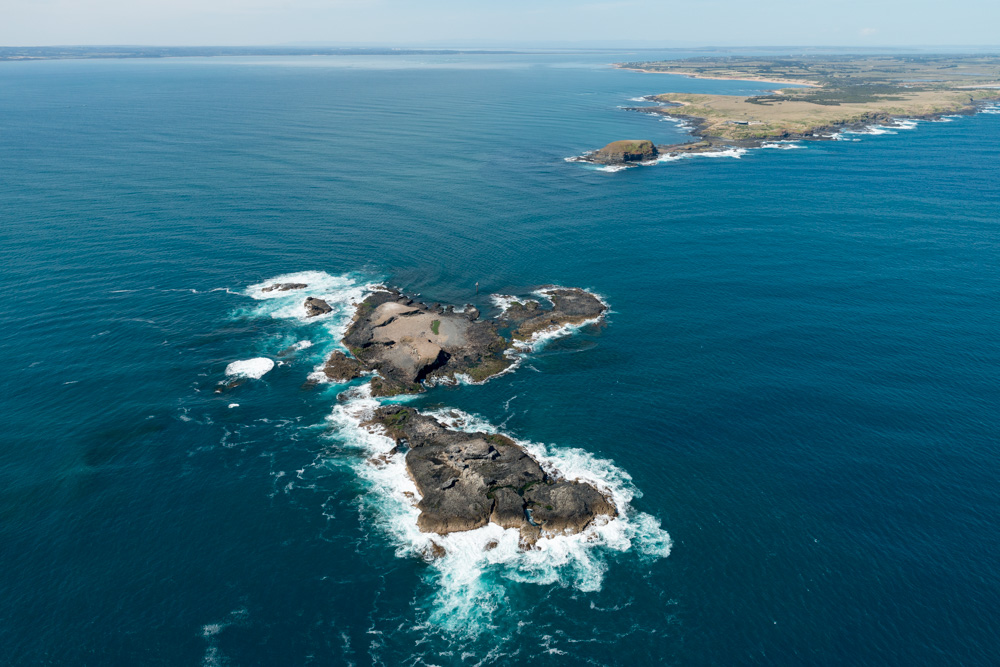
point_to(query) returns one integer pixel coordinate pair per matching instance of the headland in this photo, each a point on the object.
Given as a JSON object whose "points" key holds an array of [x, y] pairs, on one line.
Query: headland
{"points": [[832, 94]]}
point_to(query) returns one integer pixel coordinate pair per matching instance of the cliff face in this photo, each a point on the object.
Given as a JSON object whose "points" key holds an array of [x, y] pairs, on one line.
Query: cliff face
{"points": [[629, 150]]}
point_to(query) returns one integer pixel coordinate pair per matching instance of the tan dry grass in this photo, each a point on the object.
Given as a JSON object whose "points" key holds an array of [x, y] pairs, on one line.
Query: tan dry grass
{"points": [[720, 112]]}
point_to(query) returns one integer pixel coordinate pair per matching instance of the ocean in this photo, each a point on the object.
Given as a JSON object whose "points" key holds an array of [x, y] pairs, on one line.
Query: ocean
{"points": [[794, 396]]}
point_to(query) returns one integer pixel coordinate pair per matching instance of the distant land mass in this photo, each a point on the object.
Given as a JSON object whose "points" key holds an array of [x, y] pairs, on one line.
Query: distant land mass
{"points": [[93, 52], [833, 93]]}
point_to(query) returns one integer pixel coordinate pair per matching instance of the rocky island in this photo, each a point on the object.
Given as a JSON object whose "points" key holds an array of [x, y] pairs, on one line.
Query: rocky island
{"points": [[622, 152], [467, 480], [833, 94], [408, 344]]}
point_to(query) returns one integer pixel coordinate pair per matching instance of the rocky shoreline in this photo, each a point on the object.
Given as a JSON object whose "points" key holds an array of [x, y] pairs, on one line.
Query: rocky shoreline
{"points": [[704, 142]]}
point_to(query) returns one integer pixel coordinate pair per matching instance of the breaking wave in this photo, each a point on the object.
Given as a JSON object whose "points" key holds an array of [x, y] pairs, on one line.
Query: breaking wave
{"points": [[250, 368], [736, 153], [342, 293]]}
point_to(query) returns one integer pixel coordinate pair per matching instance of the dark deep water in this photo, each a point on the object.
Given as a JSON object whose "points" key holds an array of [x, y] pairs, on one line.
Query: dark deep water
{"points": [[799, 373]]}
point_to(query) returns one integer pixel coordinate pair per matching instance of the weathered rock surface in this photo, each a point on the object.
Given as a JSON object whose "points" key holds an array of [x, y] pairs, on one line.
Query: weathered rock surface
{"points": [[316, 307], [341, 368], [284, 287], [467, 480], [621, 152], [409, 342], [570, 305]]}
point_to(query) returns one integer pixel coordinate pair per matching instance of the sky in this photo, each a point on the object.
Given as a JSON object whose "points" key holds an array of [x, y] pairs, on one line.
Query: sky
{"points": [[499, 23]]}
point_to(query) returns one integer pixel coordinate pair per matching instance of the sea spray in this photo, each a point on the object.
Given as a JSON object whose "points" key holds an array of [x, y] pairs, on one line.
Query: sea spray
{"points": [[342, 294], [253, 369]]}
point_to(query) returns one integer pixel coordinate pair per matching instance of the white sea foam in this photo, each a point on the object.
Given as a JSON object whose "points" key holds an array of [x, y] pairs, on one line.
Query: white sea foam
{"points": [[342, 293], [540, 338], [681, 123], [782, 145], [234, 405], [466, 576], [250, 368], [871, 129], [505, 301], [736, 153]]}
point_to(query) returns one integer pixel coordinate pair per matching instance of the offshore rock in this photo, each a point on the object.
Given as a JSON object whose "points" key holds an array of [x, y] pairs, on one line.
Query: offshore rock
{"points": [[570, 306], [621, 152], [316, 307], [341, 368], [284, 287], [467, 480], [409, 342]]}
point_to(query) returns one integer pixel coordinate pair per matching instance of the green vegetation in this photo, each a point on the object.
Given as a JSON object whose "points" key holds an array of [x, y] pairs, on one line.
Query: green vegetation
{"points": [[382, 388], [860, 94], [435, 325], [838, 71], [396, 419], [487, 369], [629, 146], [519, 490]]}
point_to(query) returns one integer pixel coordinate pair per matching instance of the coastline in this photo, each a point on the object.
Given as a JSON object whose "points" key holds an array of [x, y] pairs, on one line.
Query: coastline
{"points": [[692, 75], [702, 142]]}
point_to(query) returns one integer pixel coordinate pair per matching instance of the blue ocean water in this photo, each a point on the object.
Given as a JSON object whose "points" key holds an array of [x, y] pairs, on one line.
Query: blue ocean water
{"points": [[797, 380]]}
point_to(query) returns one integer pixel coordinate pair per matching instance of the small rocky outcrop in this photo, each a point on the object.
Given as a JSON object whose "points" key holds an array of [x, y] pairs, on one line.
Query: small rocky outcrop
{"points": [[341, 368], [622, 152], [570, 306], [316, 307], [284, 287], [467, 480]]}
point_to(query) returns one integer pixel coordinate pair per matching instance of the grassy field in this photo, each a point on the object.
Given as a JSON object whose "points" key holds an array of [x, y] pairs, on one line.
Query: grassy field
{"points": [[844, 91]]}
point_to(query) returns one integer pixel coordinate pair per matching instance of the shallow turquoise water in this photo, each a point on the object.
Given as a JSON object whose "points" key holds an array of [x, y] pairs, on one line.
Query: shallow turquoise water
{"points": [[798, 374]]}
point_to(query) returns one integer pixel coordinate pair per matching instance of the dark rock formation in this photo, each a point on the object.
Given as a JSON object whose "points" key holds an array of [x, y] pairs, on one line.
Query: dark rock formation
{"points": [[341, 368], [621, 152], [467, 480], [409, 342], [569, 306], [316, 307], [284, 287]]}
